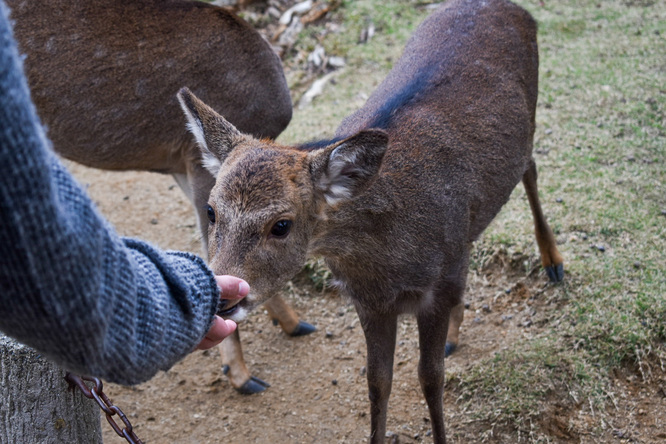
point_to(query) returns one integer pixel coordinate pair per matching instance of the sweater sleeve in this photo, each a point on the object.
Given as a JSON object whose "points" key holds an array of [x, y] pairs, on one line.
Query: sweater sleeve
{"points": [[70, 287]]}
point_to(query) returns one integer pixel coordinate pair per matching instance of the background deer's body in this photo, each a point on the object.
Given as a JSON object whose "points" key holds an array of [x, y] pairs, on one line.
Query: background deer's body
{"points": [[104, 75], [394, 202]]}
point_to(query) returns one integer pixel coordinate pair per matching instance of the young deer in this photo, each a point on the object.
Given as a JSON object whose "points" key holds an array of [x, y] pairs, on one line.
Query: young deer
{"points": [[104, 75], [395, 201]]}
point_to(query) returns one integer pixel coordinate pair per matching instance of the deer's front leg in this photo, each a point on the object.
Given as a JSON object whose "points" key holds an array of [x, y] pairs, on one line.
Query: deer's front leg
{"points": [[433, 322], [432, 337], [234, 367], [380, 333]]}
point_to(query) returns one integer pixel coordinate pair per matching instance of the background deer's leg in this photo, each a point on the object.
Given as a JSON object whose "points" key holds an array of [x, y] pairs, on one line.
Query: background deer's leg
{"points": [[280, 312], [197, 187], [233, 365], [380, 333], [453, 336], [551, 259]]}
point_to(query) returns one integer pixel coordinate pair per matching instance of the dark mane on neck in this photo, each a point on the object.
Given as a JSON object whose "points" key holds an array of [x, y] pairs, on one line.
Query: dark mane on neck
{"points": [[317, 144]]}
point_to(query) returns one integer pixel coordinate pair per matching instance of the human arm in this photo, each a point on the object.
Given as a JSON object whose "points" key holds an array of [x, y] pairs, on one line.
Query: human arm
{"points": [[70, 287]]}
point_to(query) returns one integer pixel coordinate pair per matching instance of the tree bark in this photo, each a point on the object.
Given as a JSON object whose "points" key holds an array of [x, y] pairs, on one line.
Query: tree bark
{"points": [[36, 404]]}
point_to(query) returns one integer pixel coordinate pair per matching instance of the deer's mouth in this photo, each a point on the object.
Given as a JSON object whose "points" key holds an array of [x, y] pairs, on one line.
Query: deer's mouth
{"points": [[227, 312], [236, 312]]}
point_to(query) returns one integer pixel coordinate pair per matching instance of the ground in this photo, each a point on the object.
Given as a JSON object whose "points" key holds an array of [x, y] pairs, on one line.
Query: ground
{"points": [[318, 390]]}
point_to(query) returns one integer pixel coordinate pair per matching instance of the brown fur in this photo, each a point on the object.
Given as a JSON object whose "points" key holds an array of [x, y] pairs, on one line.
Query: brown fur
{"points": [[112, 64], [395, 201], [104, 76]]}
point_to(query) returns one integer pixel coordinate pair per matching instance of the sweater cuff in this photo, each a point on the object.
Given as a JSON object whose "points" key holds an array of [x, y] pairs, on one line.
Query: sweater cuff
{"points": [[201, 280]]}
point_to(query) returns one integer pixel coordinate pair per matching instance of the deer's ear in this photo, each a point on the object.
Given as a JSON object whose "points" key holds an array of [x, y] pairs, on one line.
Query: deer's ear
{"points": [[344, 170], [214, 134]]}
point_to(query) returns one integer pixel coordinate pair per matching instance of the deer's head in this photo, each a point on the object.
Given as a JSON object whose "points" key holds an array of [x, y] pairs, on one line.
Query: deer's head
{"points": [[269, 200]]}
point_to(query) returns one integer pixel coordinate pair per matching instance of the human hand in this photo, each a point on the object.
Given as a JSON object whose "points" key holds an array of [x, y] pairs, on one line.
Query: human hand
{"points": [[230, 288]]}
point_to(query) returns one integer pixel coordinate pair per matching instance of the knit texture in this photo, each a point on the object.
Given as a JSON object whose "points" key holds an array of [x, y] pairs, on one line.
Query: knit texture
{"points": [[70, 287]]}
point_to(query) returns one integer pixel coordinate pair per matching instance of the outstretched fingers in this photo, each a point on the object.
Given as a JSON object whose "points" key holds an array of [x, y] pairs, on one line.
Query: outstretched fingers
{"points": [[232, 287], [220, 329]]}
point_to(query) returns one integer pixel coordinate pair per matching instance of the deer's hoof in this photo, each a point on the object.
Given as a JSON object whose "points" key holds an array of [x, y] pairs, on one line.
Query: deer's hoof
{"points": [[449, 348], [302, 329], [252, 386], [555, 273]]}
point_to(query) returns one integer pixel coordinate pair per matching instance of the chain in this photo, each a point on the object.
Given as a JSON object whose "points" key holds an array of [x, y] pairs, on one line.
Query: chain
{"points": [[105, 404]]}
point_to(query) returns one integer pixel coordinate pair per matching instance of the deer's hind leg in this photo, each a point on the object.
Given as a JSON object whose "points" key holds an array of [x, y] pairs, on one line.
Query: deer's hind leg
{"points": [[551, 259]]}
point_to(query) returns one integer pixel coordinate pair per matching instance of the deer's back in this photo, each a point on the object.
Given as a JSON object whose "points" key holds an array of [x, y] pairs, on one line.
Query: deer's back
{"points": [[459, 108], [104, 76]]}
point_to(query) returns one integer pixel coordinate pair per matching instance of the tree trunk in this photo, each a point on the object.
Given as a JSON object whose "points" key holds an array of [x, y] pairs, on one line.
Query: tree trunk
{"points": [[36, 404]]}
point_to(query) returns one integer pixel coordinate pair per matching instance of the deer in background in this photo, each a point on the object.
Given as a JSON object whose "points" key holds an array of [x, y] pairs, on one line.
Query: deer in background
{"points": [[104, 75], [395, 200]]}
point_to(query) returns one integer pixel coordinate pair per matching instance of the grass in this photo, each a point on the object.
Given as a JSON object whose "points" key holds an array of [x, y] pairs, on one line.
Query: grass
{"points": [[600, 146]]}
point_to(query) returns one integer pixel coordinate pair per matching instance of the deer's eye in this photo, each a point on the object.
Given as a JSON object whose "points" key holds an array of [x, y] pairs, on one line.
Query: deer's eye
{"points": [[281, 228], [211, 214]]}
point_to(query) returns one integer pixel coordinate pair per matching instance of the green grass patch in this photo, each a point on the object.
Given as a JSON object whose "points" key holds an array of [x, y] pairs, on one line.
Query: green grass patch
{"points": [[601, 148]]}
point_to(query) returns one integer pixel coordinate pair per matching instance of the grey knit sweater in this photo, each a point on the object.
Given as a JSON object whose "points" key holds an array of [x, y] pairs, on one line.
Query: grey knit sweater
{"points": [[70, 287]]}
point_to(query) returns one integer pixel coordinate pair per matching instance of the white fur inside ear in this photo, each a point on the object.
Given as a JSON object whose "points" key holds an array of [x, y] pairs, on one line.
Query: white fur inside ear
{"points": [[208, 159], [210, 162], [193, 124], [196, 129], [337, 186]]}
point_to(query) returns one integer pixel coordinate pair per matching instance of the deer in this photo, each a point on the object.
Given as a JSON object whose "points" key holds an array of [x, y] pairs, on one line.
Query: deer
{"points": [[104, 76], [394, 201]]}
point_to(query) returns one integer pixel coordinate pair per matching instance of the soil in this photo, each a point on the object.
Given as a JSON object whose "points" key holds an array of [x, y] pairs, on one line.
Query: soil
{"points": [[318, 390]]}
